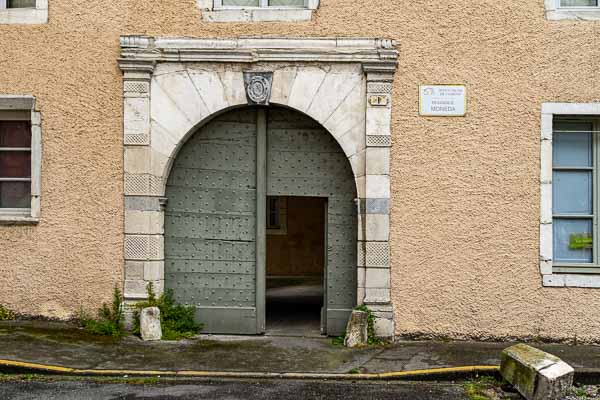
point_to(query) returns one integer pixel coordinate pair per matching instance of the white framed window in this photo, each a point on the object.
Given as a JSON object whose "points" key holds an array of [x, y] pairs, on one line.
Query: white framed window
{"points": [[257, 10], [573, 9], [23, 11], [20, 160], [570, 195]]}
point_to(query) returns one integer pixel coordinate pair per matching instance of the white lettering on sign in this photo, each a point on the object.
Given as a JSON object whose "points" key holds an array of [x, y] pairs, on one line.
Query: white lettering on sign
{"points": [[443, 100]]}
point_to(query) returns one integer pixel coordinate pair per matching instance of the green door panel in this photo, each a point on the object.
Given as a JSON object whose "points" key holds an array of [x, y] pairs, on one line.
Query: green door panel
{"points": [[210, 224], [303, 159], [214, 257]]}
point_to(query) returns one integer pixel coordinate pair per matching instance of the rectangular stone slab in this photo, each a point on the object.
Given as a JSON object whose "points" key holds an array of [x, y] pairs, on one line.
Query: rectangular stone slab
{"points": [[534, 373]]}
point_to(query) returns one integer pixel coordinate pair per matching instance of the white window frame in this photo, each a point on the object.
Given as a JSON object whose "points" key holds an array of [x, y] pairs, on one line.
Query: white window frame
{"points": [[554, 11], [551, 278], [32, 214], [214, 11], [30, 15]]}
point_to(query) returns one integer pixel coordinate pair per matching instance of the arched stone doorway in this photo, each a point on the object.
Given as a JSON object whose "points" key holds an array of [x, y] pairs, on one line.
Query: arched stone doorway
{"points": [[173, 86], [219, 251]]}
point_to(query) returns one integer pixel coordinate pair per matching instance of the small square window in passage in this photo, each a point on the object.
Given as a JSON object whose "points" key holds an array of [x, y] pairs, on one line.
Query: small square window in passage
{"points": [[579, 3], [276, 215], [15, 163], [574, 192]]}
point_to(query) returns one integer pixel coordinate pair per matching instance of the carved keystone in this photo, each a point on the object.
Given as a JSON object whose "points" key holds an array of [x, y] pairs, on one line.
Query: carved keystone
{"points": [[536, 374], [258, 87]]}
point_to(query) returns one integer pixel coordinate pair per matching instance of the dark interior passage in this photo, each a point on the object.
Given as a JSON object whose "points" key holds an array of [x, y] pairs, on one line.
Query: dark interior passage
{"points": [[295, 265]]}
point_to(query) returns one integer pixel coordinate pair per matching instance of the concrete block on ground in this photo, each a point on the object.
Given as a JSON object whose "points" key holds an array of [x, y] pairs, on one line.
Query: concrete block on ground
{"points": [[536, 374], [356, 330], [150, 328]]}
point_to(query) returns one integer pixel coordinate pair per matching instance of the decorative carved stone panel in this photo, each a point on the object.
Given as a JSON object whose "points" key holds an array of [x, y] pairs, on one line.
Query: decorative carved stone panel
{"points": [[258, 87]]}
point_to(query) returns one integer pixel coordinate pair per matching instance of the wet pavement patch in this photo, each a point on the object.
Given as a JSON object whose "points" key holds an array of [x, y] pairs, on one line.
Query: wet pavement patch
{"points": [[66, 345]]}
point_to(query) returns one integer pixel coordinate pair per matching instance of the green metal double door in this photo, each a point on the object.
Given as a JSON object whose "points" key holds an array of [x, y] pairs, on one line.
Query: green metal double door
{"points": [[215, 220]]}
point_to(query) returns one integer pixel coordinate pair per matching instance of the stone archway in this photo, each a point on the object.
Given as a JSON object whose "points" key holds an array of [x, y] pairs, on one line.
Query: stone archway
{"points": [[172, 86]]}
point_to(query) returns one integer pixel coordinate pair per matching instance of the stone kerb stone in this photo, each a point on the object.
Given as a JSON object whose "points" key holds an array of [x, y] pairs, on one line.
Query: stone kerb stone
{"points": [[537, 375], [356, 330], [150, 328]]}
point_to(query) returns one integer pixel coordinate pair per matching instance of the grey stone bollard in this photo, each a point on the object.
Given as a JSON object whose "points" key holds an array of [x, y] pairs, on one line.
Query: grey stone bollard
{"points": [[536, 374], [150, 324], [356, 330]]}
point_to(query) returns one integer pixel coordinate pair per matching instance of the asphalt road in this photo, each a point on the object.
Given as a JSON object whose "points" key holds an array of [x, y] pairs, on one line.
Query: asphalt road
{"points": [[229, 390]]}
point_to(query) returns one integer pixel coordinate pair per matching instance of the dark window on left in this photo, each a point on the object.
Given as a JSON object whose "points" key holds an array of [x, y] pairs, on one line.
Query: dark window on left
{"points": [[15, 163]]}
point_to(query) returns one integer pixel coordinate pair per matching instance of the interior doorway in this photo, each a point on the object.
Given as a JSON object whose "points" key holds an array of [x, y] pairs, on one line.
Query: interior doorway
{"points": [[295, 265]]}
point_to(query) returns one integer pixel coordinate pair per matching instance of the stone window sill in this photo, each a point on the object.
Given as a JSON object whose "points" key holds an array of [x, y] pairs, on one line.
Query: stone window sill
{"points": [[17, 218], [572, 280], [27, 16], [585, 15], [258, 15], [553, 13]]}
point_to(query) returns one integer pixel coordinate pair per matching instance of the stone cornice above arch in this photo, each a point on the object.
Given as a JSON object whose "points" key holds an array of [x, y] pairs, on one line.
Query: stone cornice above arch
{"points": [[373, 53]]}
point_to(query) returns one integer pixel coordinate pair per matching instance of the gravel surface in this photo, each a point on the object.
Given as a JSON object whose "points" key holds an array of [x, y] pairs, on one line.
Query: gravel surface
{"points": [[584, 392]]}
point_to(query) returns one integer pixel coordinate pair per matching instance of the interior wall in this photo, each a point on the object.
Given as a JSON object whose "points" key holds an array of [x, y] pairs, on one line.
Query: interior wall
{"points": [[299, 252]]}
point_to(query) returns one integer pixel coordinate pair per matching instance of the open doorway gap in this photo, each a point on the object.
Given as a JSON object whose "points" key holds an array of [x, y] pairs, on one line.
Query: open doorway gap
{"points": [[295, 265]]}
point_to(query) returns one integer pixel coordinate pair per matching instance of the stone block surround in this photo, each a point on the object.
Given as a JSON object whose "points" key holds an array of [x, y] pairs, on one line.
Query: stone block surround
{"points": [[172, 86]]}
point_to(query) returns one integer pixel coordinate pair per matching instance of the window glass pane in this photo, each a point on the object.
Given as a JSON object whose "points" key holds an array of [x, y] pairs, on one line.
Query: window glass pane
{"points": [[572, 240], [15, 134], [20, 3], [572, 149], [286, 3], [241, 3], [15, 164], [572, 192], [15, 194], [578, 3]]}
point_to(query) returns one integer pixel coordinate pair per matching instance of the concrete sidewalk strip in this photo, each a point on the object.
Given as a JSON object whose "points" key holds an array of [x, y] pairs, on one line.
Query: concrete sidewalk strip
{"points": [[62, 348]]}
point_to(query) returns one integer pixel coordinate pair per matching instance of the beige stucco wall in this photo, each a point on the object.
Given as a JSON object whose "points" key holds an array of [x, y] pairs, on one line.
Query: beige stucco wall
{"points": [[465, 191]]}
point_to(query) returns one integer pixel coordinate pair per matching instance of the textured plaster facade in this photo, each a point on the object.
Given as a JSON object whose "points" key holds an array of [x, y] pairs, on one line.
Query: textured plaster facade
{"points": [[465, 192]]}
